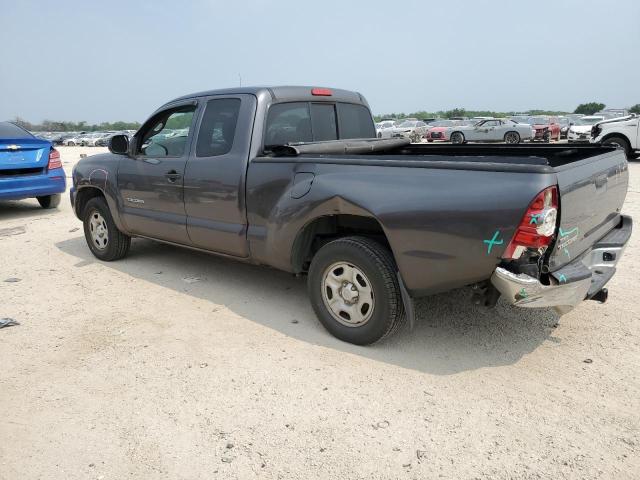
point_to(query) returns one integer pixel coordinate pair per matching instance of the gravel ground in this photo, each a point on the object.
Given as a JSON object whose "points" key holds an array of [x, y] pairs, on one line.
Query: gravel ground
{"points": [[175, 364]]}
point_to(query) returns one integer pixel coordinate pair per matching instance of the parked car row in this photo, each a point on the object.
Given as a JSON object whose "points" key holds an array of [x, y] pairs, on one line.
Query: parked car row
{"points": [[85, 139]]}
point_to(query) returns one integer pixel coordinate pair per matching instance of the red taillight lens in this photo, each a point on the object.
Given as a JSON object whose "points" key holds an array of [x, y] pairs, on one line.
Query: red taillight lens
{"points": [[538, 224], [321, 92], [54, 159]]}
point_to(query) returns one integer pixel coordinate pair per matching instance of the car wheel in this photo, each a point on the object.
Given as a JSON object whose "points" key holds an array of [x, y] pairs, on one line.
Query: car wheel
{"points": [[379, 134], [71, 144], [49, 201], [354, 290], [429, 140], [103, 237], [619, 142], [512, 137], [547, 137], [457, 138]]}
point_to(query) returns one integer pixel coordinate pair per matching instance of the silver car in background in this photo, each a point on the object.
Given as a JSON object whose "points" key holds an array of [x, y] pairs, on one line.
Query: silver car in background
{"points": [[491, 130]]}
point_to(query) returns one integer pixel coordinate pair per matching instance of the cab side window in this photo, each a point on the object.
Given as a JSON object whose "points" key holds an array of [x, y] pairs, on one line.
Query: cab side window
{"points": [[218, 127], [166, 134], [288, 123]]}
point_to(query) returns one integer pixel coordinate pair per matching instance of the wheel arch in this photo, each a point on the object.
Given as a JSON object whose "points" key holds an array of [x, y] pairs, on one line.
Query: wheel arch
{"points": [[322, 229]]}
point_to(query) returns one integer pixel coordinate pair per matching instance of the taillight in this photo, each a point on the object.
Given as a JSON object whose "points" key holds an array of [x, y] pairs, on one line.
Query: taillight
{"points": [[321, 92], [54, 159], [537, 226]]}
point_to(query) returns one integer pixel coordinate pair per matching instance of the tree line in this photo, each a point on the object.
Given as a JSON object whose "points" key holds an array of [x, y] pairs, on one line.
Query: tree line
{"points": [[62, 126]]}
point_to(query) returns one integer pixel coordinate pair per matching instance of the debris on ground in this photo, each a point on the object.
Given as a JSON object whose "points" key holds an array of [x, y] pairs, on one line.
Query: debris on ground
{"points": [[382, 424], [191, 279], [13, 280], [8, 322], [587, 360], [74, 230]]}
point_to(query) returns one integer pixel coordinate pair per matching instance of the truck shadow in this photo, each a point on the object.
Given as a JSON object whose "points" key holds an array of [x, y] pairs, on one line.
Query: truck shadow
{"points": [[451, 335]]}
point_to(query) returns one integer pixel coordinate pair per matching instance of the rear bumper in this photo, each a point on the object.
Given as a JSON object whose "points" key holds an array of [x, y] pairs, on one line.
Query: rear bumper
{"points": [[580, 280], [30, 186]]}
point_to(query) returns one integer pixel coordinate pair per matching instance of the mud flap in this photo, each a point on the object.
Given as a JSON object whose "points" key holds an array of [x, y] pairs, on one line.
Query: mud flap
{"points": [[408, 303]]}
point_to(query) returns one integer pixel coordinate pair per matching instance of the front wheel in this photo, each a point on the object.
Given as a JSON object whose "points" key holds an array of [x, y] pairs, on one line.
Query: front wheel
{"points": [[512, 138], [457, 138], [49, 201], [354, 290], [101, 233]]}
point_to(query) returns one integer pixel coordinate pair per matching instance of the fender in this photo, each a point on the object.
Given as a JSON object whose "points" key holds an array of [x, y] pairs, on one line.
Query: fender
{"points": [[93, 172]]}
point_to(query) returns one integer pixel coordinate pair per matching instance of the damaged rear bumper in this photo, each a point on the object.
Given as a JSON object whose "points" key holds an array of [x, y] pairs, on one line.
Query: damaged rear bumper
{"points": [[579, 280]]}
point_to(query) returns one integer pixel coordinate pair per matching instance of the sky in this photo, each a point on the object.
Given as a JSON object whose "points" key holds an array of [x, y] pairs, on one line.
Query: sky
{"points": [[120, 60]]}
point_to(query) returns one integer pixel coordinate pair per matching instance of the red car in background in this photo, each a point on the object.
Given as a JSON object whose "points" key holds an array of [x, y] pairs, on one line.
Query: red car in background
{"points": [[438, 130], [545, 128]]}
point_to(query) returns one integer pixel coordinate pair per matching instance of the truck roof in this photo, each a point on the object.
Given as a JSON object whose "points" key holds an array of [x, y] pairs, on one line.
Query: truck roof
{"points": [[286, 93]]}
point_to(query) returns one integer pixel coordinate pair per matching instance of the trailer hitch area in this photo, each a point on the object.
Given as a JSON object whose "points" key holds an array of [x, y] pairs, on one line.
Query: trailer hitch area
{"points": [[485, 294]]}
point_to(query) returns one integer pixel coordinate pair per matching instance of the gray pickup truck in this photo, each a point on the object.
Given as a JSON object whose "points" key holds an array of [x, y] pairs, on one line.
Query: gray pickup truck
{"points": [[293, 178]]}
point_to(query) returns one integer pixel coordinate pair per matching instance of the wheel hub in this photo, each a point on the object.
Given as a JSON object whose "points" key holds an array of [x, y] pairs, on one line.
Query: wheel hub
{"points": [[348, 294]]}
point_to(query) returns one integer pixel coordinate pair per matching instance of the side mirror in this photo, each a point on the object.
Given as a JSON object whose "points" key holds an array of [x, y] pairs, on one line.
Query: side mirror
{"points": [[119, 144]]}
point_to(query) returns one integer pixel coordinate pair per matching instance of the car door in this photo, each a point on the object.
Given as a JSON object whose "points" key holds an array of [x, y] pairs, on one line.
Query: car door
{"points": [[499, 131], [215, 174], [150, 179]]}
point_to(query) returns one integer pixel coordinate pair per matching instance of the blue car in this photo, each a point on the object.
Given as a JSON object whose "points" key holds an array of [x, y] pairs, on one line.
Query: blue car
{"points": [[29, 167]]}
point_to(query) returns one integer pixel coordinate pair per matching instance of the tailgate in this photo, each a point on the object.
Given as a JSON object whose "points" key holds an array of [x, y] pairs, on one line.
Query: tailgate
{"points": [[592, 192], [23, 153]]}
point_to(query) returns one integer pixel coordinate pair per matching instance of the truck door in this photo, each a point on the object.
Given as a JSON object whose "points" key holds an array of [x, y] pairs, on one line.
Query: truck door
{"points": [[215, 175], [150, 182]]}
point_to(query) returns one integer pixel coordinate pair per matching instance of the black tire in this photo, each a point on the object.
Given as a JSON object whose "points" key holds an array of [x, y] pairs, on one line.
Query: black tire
{"points": [[620, 142], [49, 201], [377, 264], [379, 134], [457, 138], [547, 137], [429, 140], [117, 242], [515, 136], [71, 144]]}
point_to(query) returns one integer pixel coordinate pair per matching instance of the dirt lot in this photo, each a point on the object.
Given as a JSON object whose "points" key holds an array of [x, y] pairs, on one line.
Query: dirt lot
{"points": [[174, 364]]}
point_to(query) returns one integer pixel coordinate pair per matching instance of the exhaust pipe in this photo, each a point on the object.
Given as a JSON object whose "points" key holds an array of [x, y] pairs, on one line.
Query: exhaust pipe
{"points": [[600, 296]]}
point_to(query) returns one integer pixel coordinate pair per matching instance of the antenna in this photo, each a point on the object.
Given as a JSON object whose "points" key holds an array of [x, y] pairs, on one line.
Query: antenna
{"points": [[240, 79]]}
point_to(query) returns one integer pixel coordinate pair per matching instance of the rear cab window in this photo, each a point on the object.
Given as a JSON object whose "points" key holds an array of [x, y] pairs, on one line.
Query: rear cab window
{"points": [[298, 122]]}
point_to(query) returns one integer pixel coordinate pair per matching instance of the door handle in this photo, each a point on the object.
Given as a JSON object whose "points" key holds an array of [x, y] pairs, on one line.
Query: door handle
{"points": [[172, 176]]}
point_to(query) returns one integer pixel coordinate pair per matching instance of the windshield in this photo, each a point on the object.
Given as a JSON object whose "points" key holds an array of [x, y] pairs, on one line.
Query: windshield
{"points": [[408, 124], [588, 121]]}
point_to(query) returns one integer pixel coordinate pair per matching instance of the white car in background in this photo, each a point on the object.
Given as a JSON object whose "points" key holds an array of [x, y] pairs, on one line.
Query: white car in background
{"points": [[580, 129], [411, 129], [623, 132], [492, 130], [383, 129]]}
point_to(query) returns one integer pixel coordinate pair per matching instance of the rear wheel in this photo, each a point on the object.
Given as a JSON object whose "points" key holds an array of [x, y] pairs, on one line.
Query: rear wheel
{"points": [[354, 290], [547, 137], [620, 142], [103, 237], [512, 137], [457, 138], [49, 201]]}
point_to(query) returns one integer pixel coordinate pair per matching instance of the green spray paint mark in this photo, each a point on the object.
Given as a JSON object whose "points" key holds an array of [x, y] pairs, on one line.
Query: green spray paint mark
{"points": [[493, 241], [562, 278], [534, 218], [566, 251], [568, 232], [523, 293]]}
